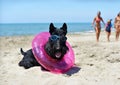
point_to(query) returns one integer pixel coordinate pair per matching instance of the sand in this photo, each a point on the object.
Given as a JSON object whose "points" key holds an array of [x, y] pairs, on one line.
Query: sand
{"points": [[95, 63]]}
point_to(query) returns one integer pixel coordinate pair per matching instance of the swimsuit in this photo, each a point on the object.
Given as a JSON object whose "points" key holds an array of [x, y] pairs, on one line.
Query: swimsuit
{"points": [[118, 23], [98, 22], [98, 19], [98, 25], [108, 27]]}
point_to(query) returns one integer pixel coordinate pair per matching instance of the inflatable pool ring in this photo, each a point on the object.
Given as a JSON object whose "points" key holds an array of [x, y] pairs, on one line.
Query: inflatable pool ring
{"points": [[53, 65]]}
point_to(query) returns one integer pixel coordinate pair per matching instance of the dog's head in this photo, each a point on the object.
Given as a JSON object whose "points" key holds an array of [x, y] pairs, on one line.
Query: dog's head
{"points": [[56, 45], [60, 32]]}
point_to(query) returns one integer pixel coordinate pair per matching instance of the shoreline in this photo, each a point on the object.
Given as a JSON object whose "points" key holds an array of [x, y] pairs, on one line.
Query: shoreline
{"points": [[84, 32]]}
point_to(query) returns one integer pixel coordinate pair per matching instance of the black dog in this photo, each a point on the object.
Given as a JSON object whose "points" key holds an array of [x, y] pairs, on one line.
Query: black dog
{"points": [[55, 47]]}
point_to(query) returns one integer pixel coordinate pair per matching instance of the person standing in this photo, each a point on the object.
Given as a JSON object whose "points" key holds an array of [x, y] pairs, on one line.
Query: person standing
{"points": [[117, 26], [108, 28], [97, 22]]}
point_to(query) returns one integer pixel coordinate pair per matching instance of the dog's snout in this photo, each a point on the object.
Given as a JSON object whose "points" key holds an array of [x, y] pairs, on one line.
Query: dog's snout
{"points": [[58, 45], [57, 48]]}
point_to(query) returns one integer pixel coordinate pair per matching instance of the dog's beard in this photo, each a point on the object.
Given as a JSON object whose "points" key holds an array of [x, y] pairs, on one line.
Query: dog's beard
{"points": [[58, 54], [55, 54]]}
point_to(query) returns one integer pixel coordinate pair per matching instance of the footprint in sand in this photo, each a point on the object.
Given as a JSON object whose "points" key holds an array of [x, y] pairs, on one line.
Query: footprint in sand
{"points": [[74, 46], [92, 55]]}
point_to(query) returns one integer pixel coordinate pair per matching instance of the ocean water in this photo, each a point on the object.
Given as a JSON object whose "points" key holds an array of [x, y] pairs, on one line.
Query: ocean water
{"points": [[35, 28]]}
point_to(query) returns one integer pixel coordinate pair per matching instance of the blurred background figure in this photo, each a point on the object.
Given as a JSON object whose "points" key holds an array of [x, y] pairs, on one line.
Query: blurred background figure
{"points": [[117, 26], [108, 28], [97, 25]]}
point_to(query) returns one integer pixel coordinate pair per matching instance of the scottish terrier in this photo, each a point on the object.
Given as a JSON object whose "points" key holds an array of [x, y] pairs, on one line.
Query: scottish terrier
{"points": [[55, 47]]}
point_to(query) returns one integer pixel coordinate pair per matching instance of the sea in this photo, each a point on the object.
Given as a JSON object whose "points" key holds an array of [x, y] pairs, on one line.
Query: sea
{"points": [[17, 29]]}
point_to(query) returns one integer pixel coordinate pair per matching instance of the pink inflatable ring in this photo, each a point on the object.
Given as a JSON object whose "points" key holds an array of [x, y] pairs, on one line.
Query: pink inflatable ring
{"points": [[55, 66]]}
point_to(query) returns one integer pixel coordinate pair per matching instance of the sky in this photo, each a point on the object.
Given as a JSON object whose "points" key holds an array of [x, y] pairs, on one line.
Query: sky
{"points": [[41, 11]]}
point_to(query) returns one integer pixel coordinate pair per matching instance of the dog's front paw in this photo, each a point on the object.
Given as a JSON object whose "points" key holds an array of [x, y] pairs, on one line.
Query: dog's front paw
{"points": [[25, 64]]}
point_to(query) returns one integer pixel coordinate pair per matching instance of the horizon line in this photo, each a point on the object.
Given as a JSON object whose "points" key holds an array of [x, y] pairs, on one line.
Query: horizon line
{"points": [[38, 22]]}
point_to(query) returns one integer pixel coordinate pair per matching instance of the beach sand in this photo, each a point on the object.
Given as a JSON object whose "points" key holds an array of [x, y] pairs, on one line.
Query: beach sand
{"points": [[95, 63]]}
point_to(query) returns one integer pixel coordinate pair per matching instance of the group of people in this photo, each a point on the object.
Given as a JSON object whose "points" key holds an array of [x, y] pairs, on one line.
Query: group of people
{"points": [[108, 26]]}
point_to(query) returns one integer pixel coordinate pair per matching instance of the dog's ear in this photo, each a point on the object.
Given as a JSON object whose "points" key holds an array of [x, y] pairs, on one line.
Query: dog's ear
{"points": [[51, 28], [64, 28]]}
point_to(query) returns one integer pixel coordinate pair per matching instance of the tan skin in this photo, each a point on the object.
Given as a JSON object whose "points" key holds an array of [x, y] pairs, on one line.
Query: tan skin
{"points": [[97, 21], [117, 26], [108, 36]]}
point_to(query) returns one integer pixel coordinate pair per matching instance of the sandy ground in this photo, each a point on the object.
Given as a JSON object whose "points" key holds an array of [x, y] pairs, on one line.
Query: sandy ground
{"points": [[96, 63]]}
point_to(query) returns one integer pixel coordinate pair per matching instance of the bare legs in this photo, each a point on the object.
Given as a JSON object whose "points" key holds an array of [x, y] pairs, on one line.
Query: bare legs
{"points": [[117, 33], [108, 36], [98, 30]]}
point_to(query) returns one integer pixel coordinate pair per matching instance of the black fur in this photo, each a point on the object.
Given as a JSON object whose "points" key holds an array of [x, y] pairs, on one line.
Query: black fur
{"points": [[28, 59], [56, 49]]}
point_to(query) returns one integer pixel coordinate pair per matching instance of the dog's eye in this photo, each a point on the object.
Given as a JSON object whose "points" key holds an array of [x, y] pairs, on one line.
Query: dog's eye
{"points": [[54, 37]]}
